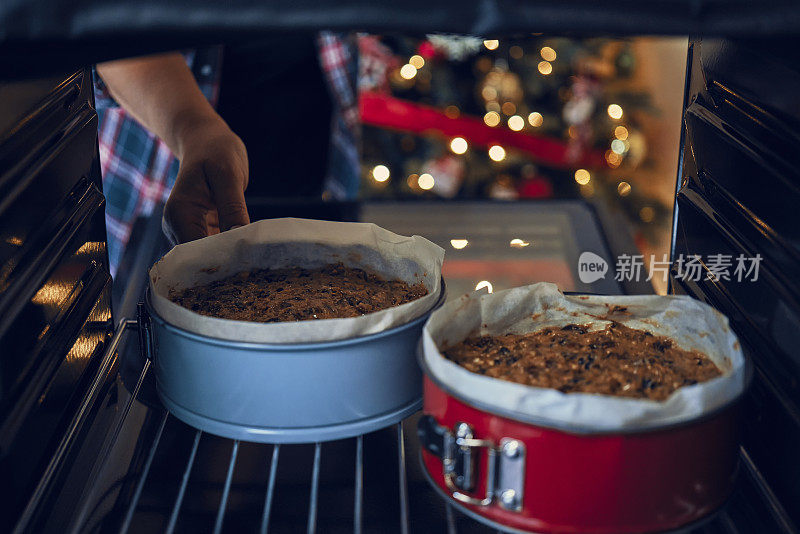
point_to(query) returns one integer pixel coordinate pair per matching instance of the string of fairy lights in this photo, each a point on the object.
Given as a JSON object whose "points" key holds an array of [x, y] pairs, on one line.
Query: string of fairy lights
{"points": [[501, 112]]}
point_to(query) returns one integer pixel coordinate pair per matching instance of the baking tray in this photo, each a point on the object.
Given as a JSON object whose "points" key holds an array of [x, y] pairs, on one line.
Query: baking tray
{"points": [[288, 393]]}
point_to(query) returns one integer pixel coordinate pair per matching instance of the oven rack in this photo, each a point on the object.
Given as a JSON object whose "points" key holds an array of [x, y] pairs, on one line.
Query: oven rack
{"points": [[150, 480], [403, 520], [271, 485], [158, 444]]}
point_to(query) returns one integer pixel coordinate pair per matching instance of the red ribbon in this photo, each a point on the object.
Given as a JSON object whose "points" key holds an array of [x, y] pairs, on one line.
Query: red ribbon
{"points": [[385, 111]]}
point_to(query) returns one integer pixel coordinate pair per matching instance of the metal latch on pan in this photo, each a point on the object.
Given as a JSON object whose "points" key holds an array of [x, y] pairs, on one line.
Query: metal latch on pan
{"points": [[460, 452]]}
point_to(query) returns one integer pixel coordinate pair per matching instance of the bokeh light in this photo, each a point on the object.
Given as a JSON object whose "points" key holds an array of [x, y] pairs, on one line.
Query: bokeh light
{"points": [[408, 71], [582, 176], [548, 54], [426, 181], [497, 153], [492, 118], [615, 111], [516, 123], [484, 283], [459, 145], [380, 173]]}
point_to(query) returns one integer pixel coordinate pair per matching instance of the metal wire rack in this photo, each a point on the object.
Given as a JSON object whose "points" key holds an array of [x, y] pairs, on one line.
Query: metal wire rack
{"points": [[271, 476], [187, 481]]}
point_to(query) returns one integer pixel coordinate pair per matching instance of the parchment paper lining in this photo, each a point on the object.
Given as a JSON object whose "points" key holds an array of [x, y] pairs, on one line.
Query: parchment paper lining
{"points": [[692, 324], [276, 243]]}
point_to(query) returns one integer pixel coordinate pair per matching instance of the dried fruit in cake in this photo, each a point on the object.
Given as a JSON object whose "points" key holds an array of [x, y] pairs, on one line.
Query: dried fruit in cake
{"points": [[617, 360], [297, 294]]}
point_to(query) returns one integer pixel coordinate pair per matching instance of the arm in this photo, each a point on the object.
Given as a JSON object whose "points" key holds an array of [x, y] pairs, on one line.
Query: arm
{"points": [[161, 93]]}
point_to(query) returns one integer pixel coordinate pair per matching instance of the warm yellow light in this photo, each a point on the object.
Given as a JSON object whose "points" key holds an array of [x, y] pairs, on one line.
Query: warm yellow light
{"points": [[412, 181], [647, 214], [535, 119], [458, 244], [497, 153], [509, 108], [492, 118], [518, 243], [617, 146], [545, 67], [408, 71], [582, 176], [452, 112], [51, 294], [515, 52], [491, 44], [459, 145], [417, 61], [624, 189], [621, 133], [516, 123], [615, 111], [614, 160], [425, 181], [489, 93], [494, 105], [380, 173], [548, 54], [484, 283], [90, 247]]}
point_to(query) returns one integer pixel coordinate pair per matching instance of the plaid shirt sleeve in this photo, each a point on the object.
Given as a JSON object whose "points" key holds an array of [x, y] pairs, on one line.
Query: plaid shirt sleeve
{"points": [[338, 55], [139, 170]]}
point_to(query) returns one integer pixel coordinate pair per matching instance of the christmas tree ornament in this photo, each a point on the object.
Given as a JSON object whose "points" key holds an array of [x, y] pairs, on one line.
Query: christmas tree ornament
{"points": [[448, 171], [375, 61]]}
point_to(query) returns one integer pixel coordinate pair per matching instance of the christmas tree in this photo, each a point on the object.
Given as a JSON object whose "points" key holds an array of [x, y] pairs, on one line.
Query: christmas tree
{"points": [[527, 117]]}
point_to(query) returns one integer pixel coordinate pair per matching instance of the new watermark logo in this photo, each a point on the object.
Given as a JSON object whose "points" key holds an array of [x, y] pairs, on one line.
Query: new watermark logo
{"points": [[591, 267], [691, 267]]}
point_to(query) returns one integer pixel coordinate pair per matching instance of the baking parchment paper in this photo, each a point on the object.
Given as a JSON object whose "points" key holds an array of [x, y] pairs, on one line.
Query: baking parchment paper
{"points": [[690, 323], [290, 242]]}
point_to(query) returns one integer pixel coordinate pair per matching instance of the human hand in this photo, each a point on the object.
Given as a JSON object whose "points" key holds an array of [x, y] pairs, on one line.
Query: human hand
{"points": [[208, 196]]}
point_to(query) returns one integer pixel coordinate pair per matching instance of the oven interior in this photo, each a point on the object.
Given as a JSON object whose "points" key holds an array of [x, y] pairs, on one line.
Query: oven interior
{"points": [[85, 445]]}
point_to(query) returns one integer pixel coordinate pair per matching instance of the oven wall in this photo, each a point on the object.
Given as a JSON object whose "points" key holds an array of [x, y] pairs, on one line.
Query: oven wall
{"points": [[739, 194], [55, 287]]}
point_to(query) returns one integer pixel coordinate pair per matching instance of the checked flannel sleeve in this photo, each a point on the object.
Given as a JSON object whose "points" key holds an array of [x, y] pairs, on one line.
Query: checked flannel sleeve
{"points": [[139, 170]]}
